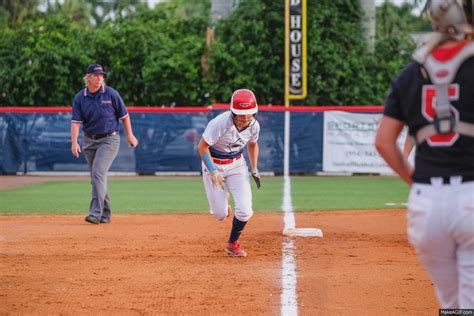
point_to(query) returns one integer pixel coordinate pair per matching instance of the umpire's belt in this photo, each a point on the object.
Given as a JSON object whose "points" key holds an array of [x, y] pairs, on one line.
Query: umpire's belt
{"points": [[446, 180], [226, 161], [99, 136]]}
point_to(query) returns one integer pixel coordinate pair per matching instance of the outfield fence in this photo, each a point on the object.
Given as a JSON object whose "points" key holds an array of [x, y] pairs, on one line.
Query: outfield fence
{"points": [[336, 139]]}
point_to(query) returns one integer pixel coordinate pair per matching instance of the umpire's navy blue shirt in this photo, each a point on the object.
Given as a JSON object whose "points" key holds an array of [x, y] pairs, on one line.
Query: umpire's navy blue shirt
{"points": [[98, 112]]}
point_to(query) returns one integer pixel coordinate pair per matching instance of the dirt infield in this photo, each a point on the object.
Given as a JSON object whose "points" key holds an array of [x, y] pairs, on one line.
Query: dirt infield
{"points": [[175, 264]]}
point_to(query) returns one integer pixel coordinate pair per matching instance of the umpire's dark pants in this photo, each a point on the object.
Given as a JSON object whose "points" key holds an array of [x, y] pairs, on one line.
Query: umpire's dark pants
{"points": [[100, 154]]}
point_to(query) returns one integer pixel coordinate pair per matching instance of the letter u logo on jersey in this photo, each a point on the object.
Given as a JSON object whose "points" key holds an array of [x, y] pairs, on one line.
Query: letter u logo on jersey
{"points": [[428, 109]]}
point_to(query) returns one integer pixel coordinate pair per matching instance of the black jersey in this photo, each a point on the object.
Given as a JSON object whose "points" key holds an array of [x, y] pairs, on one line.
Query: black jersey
{"points": [[411, 100]]}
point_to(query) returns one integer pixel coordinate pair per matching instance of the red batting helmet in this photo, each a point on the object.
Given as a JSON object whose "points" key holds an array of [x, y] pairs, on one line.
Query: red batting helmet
{"points": [[243, 102]]}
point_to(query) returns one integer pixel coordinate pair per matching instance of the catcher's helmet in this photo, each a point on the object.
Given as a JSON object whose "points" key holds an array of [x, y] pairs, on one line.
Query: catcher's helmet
{"points": [[451, 17], [243, 102]]}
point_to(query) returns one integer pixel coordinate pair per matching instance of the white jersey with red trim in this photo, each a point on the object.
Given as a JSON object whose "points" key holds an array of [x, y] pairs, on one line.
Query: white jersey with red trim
{"points": [[224, 138], [226, 147]]}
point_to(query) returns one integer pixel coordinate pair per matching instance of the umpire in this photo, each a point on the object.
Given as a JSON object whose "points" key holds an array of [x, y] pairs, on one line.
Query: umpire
{"points": [[99, 108]]}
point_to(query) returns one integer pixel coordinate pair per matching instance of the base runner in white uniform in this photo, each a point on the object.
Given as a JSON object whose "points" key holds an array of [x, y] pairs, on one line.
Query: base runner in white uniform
{"points": [[224, 166]]}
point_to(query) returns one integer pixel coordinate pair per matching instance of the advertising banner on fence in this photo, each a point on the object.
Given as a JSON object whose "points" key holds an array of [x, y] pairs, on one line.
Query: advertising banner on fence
{"points": [[348, 143]]}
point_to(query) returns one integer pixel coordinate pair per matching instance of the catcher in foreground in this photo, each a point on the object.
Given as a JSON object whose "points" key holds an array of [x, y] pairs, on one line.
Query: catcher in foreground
{"points": [[434, 97]]}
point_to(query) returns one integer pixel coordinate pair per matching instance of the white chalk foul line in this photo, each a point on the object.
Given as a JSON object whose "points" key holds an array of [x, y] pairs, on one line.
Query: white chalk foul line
{"points": [[396, 204], [289, 304]]}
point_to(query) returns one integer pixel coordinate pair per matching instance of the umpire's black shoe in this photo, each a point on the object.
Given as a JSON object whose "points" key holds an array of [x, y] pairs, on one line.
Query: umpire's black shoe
{"points": [[92, 219], [104, 220]]}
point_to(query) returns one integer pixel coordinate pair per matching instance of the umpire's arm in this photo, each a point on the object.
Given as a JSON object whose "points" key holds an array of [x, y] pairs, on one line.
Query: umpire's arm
{"points": [[75, 148]]}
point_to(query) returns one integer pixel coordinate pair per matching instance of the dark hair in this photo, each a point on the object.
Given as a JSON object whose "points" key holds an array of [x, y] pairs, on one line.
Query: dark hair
{"points": [[467, 5]]}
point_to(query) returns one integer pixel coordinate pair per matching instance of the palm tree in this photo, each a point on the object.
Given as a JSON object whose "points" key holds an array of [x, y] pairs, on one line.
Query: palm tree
{"points": [[368, 22], [104, 10], [19, 10], [220, 9], [76, 10]]}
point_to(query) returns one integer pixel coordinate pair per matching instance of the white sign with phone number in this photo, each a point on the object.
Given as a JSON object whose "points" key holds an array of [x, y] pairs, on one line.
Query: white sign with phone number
{"points": [[348, 143]]}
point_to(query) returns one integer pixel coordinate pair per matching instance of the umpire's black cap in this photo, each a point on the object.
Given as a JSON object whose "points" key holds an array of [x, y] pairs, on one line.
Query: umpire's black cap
{"points": [[95, 69]]}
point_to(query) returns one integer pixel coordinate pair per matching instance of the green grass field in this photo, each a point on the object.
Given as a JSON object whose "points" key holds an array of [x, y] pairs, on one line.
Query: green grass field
{"points": [[186, 195]]}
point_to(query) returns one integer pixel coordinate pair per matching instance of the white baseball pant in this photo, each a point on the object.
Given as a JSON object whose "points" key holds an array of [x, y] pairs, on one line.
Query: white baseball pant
{"points": [[236, 178], [441, 228]]}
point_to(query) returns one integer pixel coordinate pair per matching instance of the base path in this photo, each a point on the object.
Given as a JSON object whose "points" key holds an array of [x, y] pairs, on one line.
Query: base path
{"points": [[176, 264], [12, 182]]}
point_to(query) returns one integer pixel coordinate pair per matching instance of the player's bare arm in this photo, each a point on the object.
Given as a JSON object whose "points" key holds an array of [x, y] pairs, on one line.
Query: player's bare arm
{"points": [[216, 177], [386, 144], [253, 157], [408, 146], [203, 148], [253, 154]]}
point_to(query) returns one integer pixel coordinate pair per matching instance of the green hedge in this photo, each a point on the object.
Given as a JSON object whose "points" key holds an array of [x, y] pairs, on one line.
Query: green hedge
{"points": [[160, 57]]}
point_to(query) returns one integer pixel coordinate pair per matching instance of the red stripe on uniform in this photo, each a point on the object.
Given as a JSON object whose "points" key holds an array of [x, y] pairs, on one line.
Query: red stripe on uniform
{"points": [[444, 54]]}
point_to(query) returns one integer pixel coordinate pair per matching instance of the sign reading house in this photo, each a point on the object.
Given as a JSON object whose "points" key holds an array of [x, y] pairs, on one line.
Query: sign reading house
{"points": [[296, 48]]}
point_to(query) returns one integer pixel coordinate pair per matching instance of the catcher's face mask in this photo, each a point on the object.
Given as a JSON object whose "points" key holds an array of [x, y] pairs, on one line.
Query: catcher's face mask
{"points": [[451, 17]]}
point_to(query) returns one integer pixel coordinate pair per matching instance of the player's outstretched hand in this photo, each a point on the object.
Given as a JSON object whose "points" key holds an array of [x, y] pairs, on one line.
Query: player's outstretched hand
{"points": [[217, 180], [256, 177]]}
